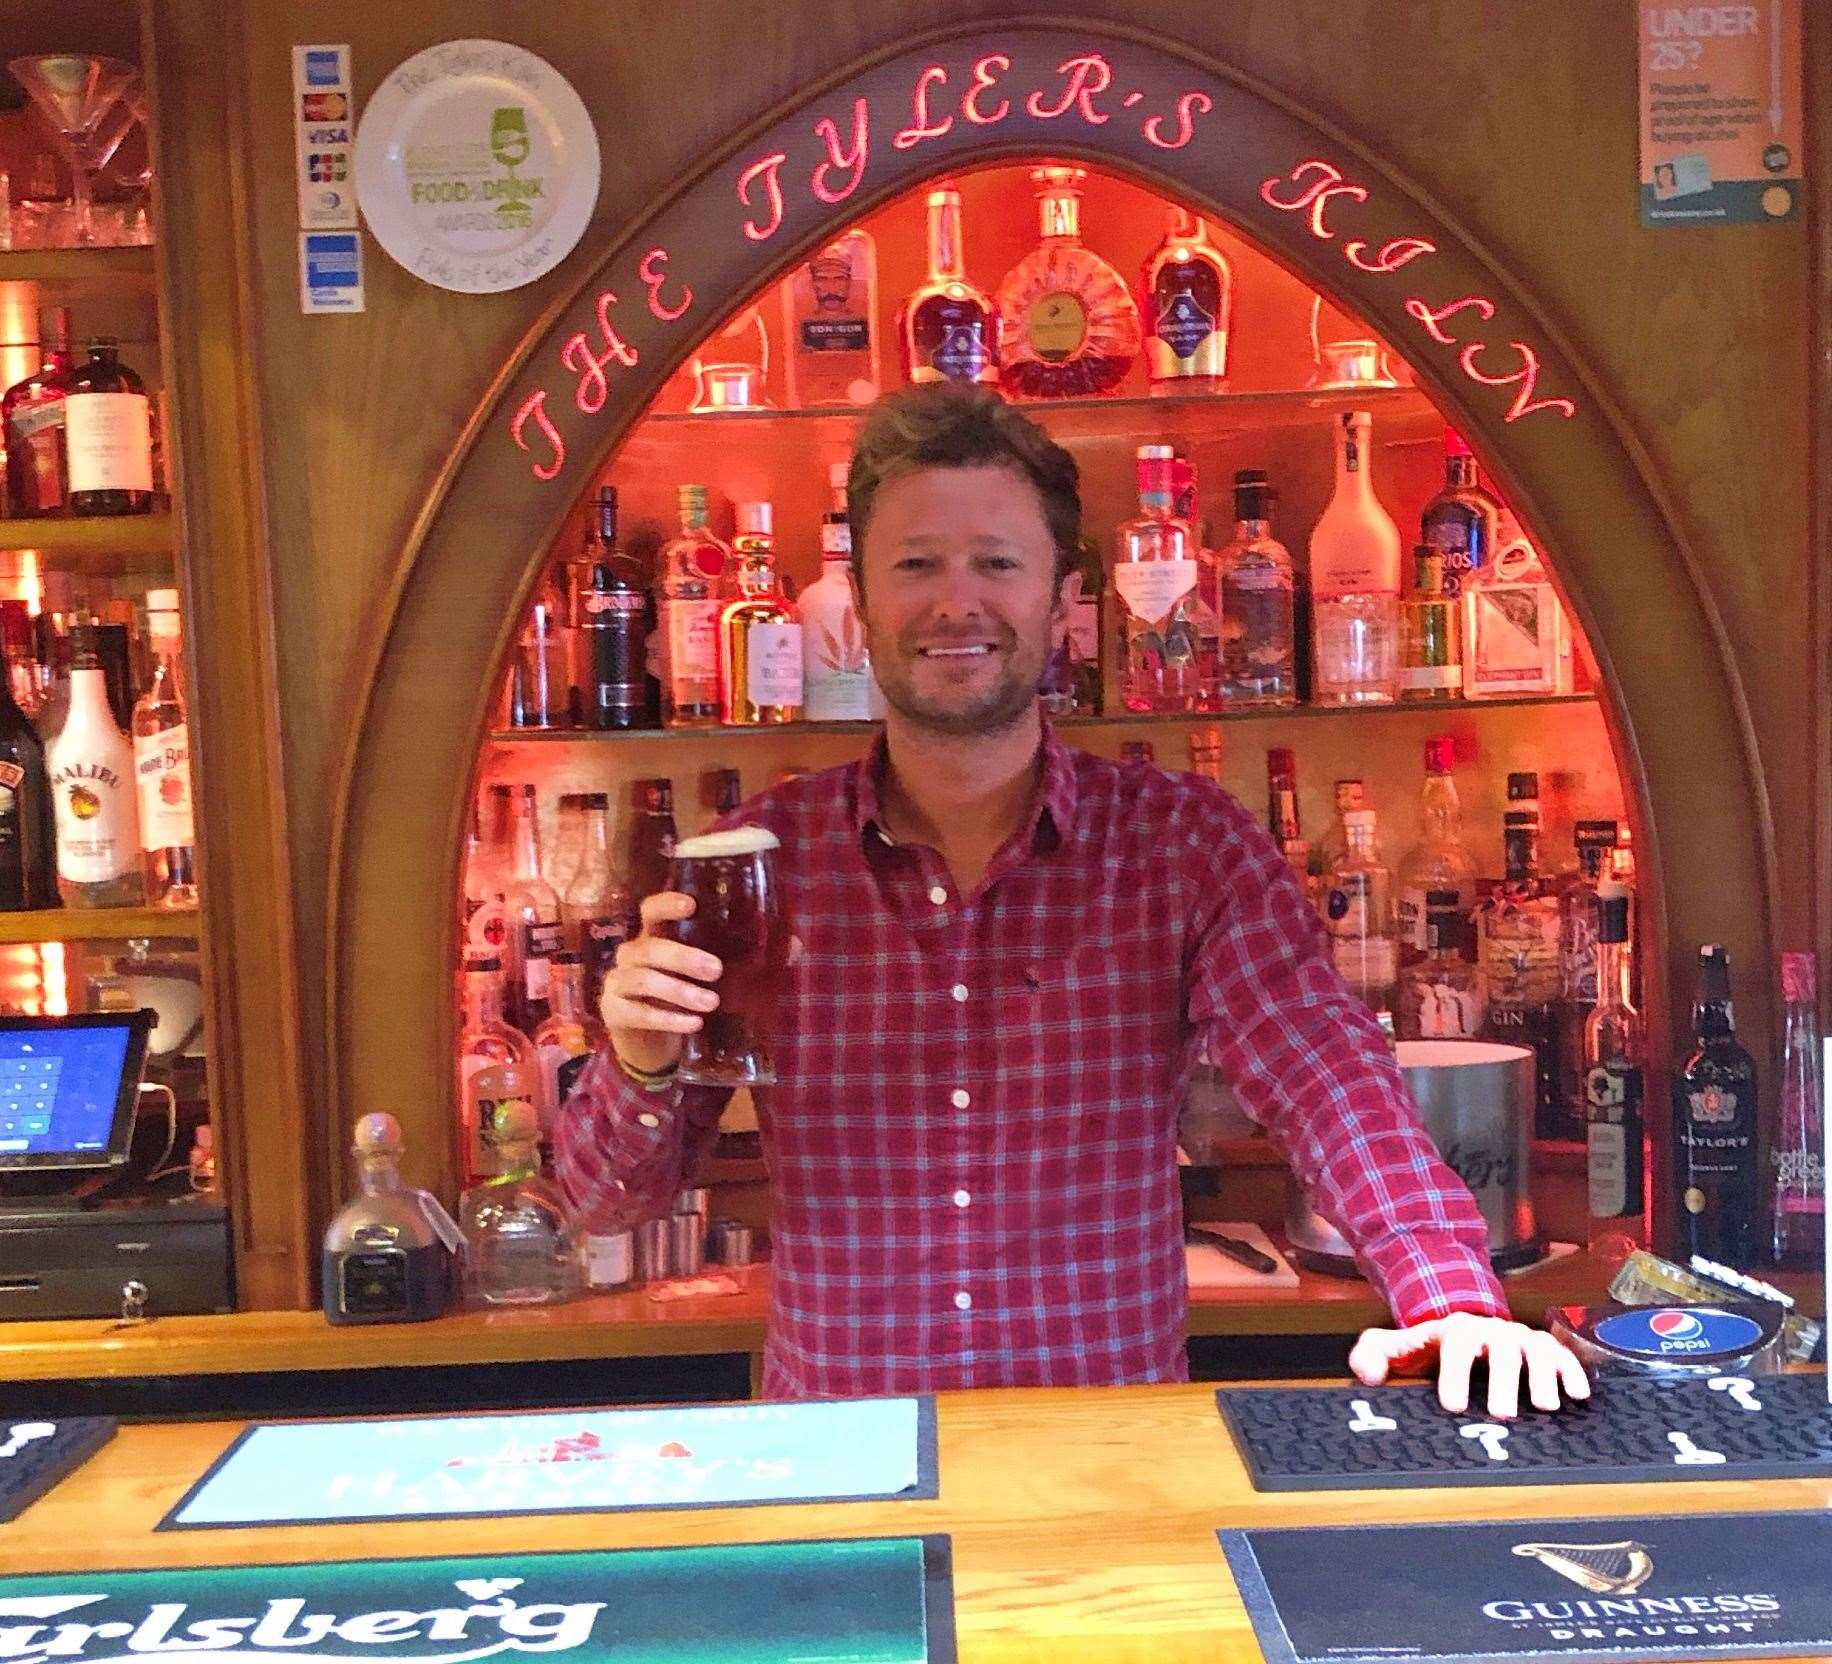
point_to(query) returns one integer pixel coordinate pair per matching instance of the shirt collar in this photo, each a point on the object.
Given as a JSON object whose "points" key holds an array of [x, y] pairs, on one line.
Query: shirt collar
{"points": [[1054, 803]]}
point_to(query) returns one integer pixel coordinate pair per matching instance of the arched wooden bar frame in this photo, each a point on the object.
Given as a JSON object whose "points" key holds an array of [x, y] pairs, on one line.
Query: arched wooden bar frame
{"points": [[1581, 480]]}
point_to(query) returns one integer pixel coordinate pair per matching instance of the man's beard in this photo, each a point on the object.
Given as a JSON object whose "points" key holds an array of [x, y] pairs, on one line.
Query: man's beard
{"points": [[994, 711]]}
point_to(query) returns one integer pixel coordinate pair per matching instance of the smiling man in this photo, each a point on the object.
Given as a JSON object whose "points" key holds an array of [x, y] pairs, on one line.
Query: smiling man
{"points": [[1012, 954]]}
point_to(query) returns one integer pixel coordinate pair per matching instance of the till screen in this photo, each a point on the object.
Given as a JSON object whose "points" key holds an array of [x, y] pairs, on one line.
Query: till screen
{"points": [[58, 1089]]}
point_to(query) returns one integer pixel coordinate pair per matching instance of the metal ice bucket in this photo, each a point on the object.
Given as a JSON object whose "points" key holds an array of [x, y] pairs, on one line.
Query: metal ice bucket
{"points": [[1476, 1100]]}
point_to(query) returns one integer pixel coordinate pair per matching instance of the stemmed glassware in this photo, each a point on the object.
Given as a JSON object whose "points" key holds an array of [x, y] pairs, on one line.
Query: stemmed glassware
{"points": [[72, 93]]}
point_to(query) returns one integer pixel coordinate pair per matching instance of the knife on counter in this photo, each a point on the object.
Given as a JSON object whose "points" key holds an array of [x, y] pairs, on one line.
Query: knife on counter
{"points": [[1241, 1252]]}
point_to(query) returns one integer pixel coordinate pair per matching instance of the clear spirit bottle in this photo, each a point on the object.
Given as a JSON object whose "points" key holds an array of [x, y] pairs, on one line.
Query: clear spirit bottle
{"points": [[595, 908], [1577, 892], [1282, 812], [388, 1253], [92, 787], [830, 324], [1346, 795], [519, 1247], [540, 679], [565, 1042], [1071, 683], [1614, 1053], [1358, 914], [1516, 640], [486, 873], [1154, 578], [532, 913], [1439, 860], [162, 764], [496, 1065], [1462, 520], [1187, 297], [1204, 603], [1431, 650], [1068, 327], [1717, 1113], [1800, 1138], [1441, 994], [948, 329], [1354, 582], [693, 568], [1258, 665], [760, 633], [838, 684]]}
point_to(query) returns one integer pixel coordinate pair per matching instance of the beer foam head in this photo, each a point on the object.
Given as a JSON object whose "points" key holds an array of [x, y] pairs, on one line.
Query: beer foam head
{"points": [[738, 840]]}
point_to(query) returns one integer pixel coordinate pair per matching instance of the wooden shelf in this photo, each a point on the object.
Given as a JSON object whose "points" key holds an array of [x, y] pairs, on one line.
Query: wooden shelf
{"points": [[119, 541], [115, 267], [1186, 719], [99, 924]]}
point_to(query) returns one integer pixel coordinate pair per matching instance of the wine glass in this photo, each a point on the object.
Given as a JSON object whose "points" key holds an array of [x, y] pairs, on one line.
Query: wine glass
{"points": [[72, 93]]}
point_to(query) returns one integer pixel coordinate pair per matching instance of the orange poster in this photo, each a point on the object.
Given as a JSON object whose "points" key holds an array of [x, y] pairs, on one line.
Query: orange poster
{"points": [[1720, 112]]}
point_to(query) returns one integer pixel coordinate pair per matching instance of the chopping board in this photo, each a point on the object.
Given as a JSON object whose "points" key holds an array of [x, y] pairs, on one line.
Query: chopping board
{"points": [[1210, 1268]]}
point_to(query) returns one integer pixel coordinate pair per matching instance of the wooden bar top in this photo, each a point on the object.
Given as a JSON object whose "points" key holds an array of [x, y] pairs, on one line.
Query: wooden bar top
{"points": [[1082, 1520], [626, 1326]]}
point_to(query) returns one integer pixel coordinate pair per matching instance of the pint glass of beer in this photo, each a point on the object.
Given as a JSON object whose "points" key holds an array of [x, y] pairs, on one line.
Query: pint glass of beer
{"points": [[738, 917]]}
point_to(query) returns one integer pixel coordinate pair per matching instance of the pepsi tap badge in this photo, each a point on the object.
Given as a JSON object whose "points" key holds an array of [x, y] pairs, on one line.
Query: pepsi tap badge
{"points": [[1673, 1340]]}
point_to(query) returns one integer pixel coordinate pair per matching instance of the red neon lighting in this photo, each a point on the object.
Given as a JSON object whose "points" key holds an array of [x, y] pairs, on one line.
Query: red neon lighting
{"points": [[768, 167], [1191, 104], [1329, 176], [1077, 90], [1433, 317], [535, 405], [1401, 251], [577, 354], [984, 82], [654, 280], [853, 162], [922, 124], [1527, 375]]}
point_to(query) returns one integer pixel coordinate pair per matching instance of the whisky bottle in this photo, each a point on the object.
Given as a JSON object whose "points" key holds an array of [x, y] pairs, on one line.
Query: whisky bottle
{"points": [[948, 330], [109, 433], [1716, 1113], [92, 783], [33, 414], [760, 633], [693, 567], [1186, 295], [1154, 578], [162, 764], [830, 324], [388, 1255], [1067, 326], [1282, 811]]}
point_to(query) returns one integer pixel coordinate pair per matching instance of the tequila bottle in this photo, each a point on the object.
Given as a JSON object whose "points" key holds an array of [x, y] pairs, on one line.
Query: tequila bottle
{"points": [[519, 1247], [760, 633], [1187, 298], [830, 324], [1439, 860], [162, 765], [533, 915], [1068, 327], [1462, 520], [1154, 576], [1257, 642], [1358, 914], [1354, 582], [1615, 1053], [388, 1253], [947, 329], [1441, 994], [693, 567], [1716, 1113], [1431, 651], [1800, 1138], [496, 1065]]}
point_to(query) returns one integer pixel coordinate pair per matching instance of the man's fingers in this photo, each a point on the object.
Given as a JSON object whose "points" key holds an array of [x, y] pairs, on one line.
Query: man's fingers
{"points": [[676, 958], [1543, 1371], [664, 907], [1570, 1370], [1369, 1357], [1504, 1345], [1457, 1349]]}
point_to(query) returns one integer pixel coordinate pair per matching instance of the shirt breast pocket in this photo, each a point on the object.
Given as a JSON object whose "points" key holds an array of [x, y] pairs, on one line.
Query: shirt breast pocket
{"points": [[1080, 1031]]}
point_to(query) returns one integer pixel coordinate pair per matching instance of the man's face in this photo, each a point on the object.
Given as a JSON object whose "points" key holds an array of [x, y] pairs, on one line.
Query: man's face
{"points": [[960, 597]]}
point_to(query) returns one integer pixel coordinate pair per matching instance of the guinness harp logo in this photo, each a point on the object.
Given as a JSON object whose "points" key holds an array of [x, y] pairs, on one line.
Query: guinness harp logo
{"points": [[1602, 1568]]}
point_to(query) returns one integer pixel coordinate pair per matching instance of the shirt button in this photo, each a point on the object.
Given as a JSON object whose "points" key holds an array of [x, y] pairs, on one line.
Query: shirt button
{"points": [[962, 1097], [961, 1199], [648, 1120], [939, 896], [962, 1301], [960, 993]]}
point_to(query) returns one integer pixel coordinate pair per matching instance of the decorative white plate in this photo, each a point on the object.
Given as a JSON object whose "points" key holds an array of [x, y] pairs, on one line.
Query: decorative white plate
{"points": [[477, 166]]}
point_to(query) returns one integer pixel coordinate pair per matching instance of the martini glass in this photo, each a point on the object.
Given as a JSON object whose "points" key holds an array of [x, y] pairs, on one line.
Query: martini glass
{"points": [[72, 93]]}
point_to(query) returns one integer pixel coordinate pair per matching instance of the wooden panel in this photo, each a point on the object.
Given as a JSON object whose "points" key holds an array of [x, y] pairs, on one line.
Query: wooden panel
{"points": [[100, 924], [90, 538]]}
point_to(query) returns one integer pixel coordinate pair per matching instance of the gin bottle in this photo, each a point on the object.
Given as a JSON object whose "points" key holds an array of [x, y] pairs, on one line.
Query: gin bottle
{"points": [[1441, 994], [533, 916], [1154, 579], [1071, 683], [837, 668], [1461, 521], [1354, 581], [595, 907], [1431, 648], [1516, 639], [1257, 643], [1358, 914], [518, 1246], [388, 1253]]}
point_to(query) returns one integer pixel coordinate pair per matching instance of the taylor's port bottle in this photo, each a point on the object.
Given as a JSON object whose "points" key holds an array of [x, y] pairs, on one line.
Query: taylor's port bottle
{"points": [[1715, 1113], [37, 473], [109, 432]]}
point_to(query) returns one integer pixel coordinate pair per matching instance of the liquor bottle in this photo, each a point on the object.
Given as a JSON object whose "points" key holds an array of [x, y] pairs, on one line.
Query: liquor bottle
{"points": [[1516, 639], [162, 764], [92, 784], [760, 633], [109, 433], [1205, 749], [652, 838], [1067, 326], [532, 912], [1461, 521], [595, 907], [563, 1045], [1439, 860], [1186, 295], [948, 330], [1282, 811], [1354, 581], [1431, 648], [1258, 662], [830, 324], [1345, 796], [1800, 1137], [1071, 684], [386, 1258], [613, 612], [540, 678], [837, 668], [487, 858], [1441, 995], [28, 822], [496, 1065], [1518, 951], [32, 412], [1204, 603], [1154, 575], [1715, 1109], [560, 860], [1615, 1052], [519, 1248], [115, 654], [693, 567], [54, 659], [1358, 914], [21, 655], [1577, 892]]}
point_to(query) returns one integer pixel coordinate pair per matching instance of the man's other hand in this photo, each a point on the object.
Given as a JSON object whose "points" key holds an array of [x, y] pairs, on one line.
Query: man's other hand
{"points": [[1456, 1342]]}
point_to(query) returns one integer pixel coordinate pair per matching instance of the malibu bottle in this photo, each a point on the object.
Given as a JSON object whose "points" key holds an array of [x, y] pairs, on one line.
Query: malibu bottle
{"points": [[1715, 1112]]}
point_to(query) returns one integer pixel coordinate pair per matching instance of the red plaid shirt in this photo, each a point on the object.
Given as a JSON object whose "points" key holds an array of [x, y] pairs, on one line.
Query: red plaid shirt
{"points": [[971, 1147]]}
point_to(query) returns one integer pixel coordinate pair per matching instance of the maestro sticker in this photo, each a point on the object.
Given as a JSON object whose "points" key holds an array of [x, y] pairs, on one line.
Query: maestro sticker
{"points": [[477, 166]]}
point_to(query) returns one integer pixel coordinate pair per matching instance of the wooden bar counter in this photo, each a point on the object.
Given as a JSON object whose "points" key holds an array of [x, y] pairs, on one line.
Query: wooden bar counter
{"points": [[1082, 1520]]}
